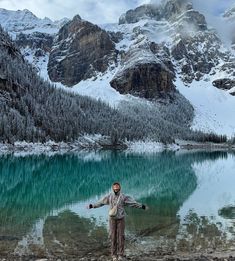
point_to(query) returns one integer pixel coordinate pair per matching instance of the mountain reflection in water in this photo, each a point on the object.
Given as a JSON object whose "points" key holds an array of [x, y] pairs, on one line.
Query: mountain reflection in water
{"points": [[42, 188]]}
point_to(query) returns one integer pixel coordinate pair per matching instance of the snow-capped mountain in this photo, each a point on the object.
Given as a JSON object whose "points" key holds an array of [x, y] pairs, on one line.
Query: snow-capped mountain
{"points": [[33, 35], [26, 22], [154, 52]]}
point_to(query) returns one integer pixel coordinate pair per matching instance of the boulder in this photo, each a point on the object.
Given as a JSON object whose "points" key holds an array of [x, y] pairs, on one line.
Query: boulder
{"points": [[224, 84]]}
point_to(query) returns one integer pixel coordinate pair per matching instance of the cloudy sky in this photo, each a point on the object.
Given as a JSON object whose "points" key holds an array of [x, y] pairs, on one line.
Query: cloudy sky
{"points": [[100, 11]]}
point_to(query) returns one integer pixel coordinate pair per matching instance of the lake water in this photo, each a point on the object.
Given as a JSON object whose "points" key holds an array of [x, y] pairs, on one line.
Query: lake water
{"points": [[191, 199]]}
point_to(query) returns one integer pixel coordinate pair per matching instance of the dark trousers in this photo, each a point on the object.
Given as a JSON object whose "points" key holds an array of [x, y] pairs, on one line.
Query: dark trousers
{"points": [[117, 236]]}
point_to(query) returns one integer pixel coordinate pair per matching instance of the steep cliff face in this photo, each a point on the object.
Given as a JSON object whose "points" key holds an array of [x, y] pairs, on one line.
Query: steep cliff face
{"points": [[143, 75], [80, 50], [152, 72], [148, 80], [194, 51], [35, 41]]}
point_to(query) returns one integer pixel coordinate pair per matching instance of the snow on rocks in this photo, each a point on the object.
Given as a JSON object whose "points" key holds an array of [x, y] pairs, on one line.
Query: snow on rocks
{"points": [[214, 108], [141, 147], [26, 22]]}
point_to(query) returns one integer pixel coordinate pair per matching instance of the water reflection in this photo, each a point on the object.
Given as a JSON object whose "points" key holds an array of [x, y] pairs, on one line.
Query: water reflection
{"points": [[42, 207]]}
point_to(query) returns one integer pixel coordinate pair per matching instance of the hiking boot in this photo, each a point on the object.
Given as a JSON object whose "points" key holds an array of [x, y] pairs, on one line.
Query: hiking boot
{"points": [[114, 258]]}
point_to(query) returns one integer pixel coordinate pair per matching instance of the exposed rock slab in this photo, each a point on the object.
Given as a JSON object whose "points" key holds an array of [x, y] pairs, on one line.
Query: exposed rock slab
{"points": [[147, 77]]}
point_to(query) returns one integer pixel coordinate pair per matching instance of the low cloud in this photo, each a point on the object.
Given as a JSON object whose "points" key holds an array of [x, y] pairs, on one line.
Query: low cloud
{"points": [[105, 11], [102, 11], [213, 11]]}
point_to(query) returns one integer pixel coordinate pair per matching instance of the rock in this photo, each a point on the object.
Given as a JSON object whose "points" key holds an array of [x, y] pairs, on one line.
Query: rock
{"points": [[35, 40], [163, 53], [141, 12], [224, 84], [179, 50], [193, 17], [187, 71], [39, 53], [148, 78], [173, 8], [184, 18], [80, 50], [197, 54], [116, 36]]}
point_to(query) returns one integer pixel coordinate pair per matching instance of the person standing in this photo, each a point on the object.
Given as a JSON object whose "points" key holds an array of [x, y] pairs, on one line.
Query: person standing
{"points": [[117, 201]]}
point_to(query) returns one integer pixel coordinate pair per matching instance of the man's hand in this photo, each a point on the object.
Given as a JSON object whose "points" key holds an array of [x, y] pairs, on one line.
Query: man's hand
{"points": [[145, 207], [89, 206]]}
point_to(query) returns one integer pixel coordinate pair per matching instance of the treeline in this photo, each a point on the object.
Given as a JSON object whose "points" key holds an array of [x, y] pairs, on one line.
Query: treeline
{"points": [[209, 137]]}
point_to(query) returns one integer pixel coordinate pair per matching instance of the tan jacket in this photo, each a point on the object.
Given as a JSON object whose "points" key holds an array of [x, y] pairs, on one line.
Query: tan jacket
{"points": [[111, 200]]}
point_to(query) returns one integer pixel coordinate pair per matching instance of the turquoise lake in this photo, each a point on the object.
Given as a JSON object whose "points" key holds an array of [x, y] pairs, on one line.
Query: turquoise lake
{"points": [[191, 199]]}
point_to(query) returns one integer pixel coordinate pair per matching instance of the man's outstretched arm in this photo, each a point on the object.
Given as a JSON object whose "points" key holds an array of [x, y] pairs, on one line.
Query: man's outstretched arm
{"points": [[130, 202], [100, 203]]}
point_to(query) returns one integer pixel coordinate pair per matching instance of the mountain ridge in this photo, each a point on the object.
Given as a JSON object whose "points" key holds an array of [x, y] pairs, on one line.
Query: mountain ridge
{"points": [[193, 54]]}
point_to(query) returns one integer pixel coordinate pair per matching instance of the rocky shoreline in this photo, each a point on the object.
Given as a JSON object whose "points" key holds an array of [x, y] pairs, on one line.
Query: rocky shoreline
{"points": [[217, 256], [99, 142]]}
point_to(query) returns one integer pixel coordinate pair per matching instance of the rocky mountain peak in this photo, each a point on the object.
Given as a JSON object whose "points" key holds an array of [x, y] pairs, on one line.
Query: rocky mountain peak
{"points": [[84, 48], [142, 12], [173, 8], [77, 18], [24, 21], [180, 11]]}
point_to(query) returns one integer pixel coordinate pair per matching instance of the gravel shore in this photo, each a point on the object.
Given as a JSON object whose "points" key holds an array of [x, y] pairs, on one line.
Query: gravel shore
{"points": [[217, 256]]}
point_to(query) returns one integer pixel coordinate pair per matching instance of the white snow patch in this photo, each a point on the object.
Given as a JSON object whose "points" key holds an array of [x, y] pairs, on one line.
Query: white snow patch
{"points": [[40, 63], [99, 89], [144, 147], [214, 108]]}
